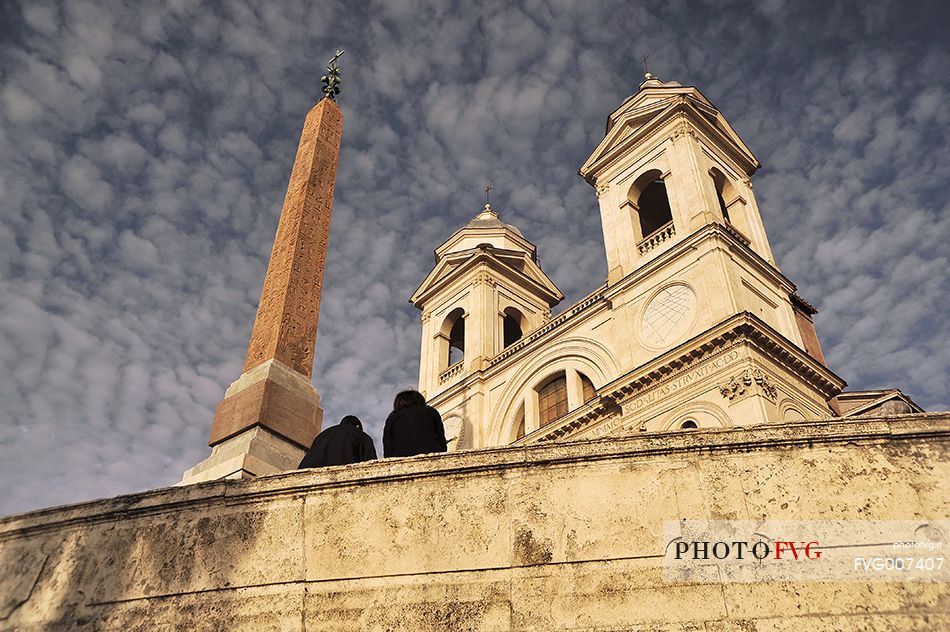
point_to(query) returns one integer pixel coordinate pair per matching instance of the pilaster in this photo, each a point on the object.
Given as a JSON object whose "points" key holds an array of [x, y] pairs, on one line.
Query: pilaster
{"points": [[619, 237], [575, 389], [531, 406], [689, 206]]}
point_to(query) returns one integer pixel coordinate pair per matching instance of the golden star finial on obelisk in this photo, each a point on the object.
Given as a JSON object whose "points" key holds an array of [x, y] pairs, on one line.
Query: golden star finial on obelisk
{"points": [[270, 415]]}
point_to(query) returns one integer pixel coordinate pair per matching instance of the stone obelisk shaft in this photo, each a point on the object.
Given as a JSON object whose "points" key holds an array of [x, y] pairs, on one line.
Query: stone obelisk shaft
{"points": [[271, 413], [286, 325]]}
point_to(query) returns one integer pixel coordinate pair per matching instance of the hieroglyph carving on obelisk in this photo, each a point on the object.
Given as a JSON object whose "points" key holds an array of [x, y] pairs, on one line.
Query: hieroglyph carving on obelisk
{"points": [[286, 325], [271, 413]]}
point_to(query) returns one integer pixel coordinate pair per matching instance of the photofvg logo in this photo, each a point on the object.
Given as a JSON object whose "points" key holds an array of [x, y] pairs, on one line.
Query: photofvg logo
{"points": [[745, 551]]}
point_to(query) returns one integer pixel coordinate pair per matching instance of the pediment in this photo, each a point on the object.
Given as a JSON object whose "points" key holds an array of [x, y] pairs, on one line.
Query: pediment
{"points": [[626, 126], [533, 271], [442, 270], [514, 264], [638, 117], [888, 402]]}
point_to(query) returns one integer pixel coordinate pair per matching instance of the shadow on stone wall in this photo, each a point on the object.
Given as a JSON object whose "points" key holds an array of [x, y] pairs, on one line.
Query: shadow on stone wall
{"points": [[119, 560]]}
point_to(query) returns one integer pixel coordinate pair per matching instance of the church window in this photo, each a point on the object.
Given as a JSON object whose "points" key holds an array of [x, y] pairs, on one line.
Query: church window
{"points": [[552, 399], [519, 422], [511, 324], [689, 424], [589, 391], [653, 208]]}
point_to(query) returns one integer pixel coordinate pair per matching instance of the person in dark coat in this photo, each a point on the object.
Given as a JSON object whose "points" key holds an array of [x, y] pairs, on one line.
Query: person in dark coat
{"points": [[413, 428], [339, 445]]}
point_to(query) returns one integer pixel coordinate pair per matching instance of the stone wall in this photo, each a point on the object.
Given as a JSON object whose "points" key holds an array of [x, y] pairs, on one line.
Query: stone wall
{"points": [[564, 536]]}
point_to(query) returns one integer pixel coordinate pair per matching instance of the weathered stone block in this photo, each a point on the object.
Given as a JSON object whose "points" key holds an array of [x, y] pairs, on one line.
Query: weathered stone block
{"points": [[409, 526], [271, 405], [461, 602]]}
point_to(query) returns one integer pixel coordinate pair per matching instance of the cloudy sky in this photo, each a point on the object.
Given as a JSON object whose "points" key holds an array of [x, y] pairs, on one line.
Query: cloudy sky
{"points": [[145, 150]]}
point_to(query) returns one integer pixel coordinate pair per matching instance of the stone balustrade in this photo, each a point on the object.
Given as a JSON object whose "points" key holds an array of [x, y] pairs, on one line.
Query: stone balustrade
{"points": [[545, 328], [667, 231], [451, 372]]}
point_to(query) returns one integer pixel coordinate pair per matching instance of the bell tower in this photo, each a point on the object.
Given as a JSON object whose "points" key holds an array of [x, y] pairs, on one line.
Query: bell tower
{"points": [[668, 165], [670, 170], [485, 292]]}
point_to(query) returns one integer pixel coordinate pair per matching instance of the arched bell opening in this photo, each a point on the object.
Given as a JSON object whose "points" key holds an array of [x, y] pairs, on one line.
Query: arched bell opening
{"points": [[513, 327], [650, 202], [725, 193], [452, 339]]}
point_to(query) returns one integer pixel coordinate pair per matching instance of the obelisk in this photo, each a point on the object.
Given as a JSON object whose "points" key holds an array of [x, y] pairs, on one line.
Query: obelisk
{"points": [[270, 415]]}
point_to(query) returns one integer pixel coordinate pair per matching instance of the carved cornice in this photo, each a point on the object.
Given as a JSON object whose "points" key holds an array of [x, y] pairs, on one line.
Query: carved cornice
{"points": [[620, 138], [532, 277], [683, 129], [732, 230], [483, 278], [802, 304], [733, 238]]}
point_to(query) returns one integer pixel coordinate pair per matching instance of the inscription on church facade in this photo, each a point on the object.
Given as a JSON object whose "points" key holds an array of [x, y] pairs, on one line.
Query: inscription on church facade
{"points": [[687, 379]]}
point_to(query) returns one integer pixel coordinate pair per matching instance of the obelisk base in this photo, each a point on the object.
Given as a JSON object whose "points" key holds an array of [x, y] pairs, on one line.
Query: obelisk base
{"points": [[268, 418], [255, 452]]}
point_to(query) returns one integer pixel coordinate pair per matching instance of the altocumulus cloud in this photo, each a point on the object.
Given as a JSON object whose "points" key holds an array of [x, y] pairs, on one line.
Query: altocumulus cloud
{"points": [[144, 153]]}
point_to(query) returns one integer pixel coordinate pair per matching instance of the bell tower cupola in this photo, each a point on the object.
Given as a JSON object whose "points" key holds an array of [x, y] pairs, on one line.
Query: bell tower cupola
{"points": [[485, 292]]}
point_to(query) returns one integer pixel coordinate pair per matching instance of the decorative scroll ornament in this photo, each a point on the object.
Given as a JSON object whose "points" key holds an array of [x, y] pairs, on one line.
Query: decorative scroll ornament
{"points": [[739, 384], [683, 129], [602, 189], [484, 278], [331, 80]]}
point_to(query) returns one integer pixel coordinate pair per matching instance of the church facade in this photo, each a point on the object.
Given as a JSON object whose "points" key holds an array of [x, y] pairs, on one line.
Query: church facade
{"points": [[694, 327]]}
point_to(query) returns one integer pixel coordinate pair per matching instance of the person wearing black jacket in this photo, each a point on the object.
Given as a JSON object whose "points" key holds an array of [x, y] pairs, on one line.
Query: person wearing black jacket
{"points": [[340, 445], [413, 428]]}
